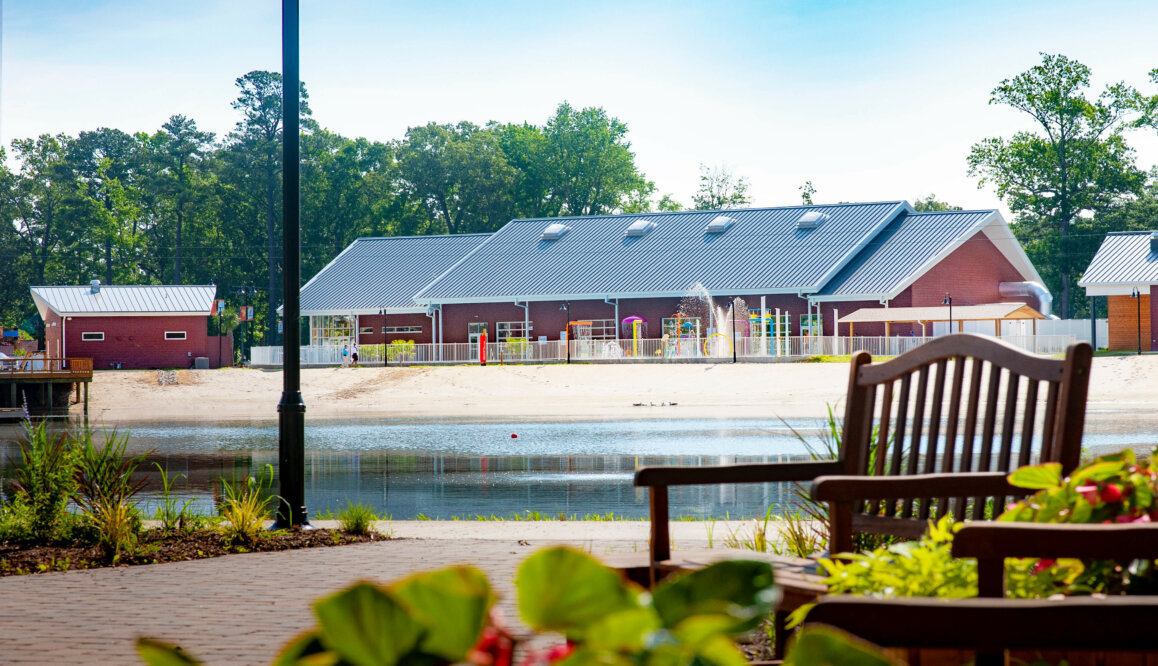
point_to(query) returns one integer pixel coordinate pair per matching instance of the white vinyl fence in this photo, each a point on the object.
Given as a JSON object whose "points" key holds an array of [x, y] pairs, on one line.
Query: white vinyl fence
{"points": [[714, 348]]}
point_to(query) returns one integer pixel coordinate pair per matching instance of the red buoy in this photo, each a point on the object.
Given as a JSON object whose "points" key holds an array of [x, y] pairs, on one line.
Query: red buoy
{"points": [[514, 436]]}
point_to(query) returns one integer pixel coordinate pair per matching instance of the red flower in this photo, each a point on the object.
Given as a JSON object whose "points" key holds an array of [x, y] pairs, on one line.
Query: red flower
{"points": [[1089, 492], [560, 652], [1111, 492], [1042, 565]]}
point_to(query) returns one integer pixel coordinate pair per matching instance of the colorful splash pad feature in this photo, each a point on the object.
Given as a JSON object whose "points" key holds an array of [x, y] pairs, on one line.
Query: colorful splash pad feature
{"points": [[636, 328]]}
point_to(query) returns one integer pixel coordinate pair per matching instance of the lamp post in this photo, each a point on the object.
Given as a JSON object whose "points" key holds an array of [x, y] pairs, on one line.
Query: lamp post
{"points": [[948, 300], [385, 342], [291, 409], [1137, 296], [567, 328], [733, 329]]}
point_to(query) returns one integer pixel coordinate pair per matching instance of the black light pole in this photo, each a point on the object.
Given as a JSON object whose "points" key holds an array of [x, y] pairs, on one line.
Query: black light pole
{"points": [[385, 342], [567, 327], [733, 329], [291, 410], [948, 300], [1137, 296]]}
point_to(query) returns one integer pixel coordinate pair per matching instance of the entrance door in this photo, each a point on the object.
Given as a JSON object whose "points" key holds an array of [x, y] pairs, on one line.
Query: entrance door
{"points": [[474, 331]]}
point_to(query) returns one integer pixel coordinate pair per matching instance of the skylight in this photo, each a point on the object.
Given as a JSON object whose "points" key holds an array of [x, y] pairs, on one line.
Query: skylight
{"points": [[639, 228], [811, 220], [554, 231], [719, 225]]}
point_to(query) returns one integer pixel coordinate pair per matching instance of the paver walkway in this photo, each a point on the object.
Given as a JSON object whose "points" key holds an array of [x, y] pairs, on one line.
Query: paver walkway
{"points": [[238, 609]]}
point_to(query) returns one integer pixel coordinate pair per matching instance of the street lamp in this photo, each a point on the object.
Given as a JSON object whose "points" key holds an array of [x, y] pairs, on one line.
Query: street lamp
{"points": [[567, 328], [1137, 296], [948, 300], [385, 342]]}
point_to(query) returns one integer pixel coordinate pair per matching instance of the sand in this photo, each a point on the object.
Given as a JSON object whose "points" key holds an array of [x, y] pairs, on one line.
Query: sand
{"points": [[1125, 385]]}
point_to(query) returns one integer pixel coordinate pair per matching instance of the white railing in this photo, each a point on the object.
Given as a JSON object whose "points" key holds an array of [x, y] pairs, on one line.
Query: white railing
{"points": [[640, 351]]}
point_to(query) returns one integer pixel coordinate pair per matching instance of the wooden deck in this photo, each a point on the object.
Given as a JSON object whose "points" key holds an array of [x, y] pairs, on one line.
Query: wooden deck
{"points": [[46, 372]]}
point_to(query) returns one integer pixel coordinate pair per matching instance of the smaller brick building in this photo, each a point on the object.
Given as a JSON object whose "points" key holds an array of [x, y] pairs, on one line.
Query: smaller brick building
{"points": [[1125, 271], [138, 326]]}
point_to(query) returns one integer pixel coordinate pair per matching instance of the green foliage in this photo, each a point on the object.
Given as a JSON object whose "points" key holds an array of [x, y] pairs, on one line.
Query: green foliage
{"points": [[106, 490], [357, 518], [246, 507], [825, 646], [446, 617], [517, 347], [720, 188], [401, 350], [931, 204], [45, 480], [172, 513]]}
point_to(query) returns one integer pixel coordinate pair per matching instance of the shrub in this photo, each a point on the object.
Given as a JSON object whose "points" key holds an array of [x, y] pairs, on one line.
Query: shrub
{"points": [[106, 490], [172, 513], [357, 518], [246, 507], [45, 480]]}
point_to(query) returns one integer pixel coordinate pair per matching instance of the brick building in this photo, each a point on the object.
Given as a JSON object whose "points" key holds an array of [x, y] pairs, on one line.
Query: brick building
{"points": [[809, 264], [139, 326], [1124, 271]]}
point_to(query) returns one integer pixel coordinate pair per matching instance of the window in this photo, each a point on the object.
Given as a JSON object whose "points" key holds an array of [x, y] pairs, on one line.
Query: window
{"points": [[366, 330], [602, 329], [755, 317], [328, 330], [92, 336], [174, 335], [514, 329], [811, 325], [401, 329]]}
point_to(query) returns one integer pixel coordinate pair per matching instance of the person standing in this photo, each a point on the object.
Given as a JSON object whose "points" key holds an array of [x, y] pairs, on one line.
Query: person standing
{"points": [[345, 355], [354, 356]]}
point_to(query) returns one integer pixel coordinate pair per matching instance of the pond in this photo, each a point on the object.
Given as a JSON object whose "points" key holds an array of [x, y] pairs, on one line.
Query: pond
{"points": [[443, 469]]}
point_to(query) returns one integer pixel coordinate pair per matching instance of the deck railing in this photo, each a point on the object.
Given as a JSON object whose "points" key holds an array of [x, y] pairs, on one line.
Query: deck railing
{"points": [[37, 366], [717, 349]]}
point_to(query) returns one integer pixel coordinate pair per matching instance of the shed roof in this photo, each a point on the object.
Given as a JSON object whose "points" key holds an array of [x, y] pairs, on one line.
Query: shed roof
{"points": [[763, 251], [903, 250], [986, 312], [373, 273], [1124, 258], [118, 300]]}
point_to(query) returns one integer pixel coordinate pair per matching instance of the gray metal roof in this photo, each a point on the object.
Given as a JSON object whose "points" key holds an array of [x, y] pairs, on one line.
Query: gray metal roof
{"points": [[373, 273], [126, 299], [762, 252], [1123, 259], [896, 256]]}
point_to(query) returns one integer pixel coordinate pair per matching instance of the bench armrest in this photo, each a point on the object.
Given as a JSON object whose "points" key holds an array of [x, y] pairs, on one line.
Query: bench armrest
{"points": [[654, 477], [964, 484], [1078, 540]]}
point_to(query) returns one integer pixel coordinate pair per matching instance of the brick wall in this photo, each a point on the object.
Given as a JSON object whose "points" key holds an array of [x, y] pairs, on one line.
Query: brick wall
{"points": [[1124, 323], [970, 274], [134, 342]]}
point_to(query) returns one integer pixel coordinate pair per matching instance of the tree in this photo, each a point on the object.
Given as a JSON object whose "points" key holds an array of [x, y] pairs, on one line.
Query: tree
{"points": [[931, 204], [1077, 164], [106, 162], [720, 188], [806, 192], [589, 166], [176, 154]]}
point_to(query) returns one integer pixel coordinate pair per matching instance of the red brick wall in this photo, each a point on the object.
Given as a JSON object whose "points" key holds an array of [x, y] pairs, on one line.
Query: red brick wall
{"points": [[375, 322], [135, 342], [970, 274]]}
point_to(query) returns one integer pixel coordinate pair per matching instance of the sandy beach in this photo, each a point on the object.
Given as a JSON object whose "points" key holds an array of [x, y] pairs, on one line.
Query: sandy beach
{"points": [[1123, 385]]}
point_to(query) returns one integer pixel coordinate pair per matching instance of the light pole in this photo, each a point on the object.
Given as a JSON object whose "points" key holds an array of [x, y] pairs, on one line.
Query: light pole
{"points": [[948, 300], [1137, 296], [385, 342], [567, 328], [733, 329], [291, 409]]}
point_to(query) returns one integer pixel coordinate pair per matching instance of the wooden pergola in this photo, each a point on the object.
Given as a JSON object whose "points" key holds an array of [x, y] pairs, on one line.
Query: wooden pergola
{"points": [[995, 312]]}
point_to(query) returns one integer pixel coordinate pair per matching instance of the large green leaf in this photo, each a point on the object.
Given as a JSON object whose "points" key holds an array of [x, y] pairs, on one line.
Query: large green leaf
{"points": [[452, 603], [156, 653], [306, 650], [561, 589], [741, 590], [1037, 477], [625, 630], [366, 626], [823, 646]]}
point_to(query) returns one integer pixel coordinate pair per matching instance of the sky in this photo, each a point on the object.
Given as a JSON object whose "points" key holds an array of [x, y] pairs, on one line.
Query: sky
{"points": [[870, 101]]}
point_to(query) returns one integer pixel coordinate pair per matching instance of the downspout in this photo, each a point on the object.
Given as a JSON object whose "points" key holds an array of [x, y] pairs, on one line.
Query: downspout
{"points": [[433, 340], [1034, 289], [616, 304], [526, 306]]}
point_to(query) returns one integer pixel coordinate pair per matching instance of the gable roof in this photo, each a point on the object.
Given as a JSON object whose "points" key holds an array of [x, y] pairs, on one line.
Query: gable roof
{"points": [[119, 300], [763, 251], [903, 251], [930, 313], [372, 273], [1125, 259]]}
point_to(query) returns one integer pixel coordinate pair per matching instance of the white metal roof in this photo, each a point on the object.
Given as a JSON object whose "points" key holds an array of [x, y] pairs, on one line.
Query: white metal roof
{"points": [[1124, 261], [987, 311], [119, 300]]}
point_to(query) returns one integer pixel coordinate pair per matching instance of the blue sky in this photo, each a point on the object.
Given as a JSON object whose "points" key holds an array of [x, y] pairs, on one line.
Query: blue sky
{"points": [[869, 100]]}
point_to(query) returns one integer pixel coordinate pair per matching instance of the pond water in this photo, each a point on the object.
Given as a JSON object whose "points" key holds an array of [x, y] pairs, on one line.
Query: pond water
{"points": [[444, 469]]}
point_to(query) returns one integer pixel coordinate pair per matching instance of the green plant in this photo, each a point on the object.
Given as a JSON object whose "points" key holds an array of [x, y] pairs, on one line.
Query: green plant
{"points": [[246, 507], [798, 535], [172, 513], [825, 646], [517, 347], [400, 350], [446, 617], [45, 479], [106, 490], [357, 518]]}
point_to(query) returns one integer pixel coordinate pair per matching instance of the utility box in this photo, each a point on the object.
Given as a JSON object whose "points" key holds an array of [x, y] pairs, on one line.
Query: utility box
{"points": [[201, 363]]}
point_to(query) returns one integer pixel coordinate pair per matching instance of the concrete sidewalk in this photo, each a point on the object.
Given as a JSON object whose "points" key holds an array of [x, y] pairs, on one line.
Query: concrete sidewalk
{"points": [[241, 609]]}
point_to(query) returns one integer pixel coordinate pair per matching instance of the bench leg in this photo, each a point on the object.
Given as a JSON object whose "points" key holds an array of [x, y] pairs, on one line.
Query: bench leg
{"points": [[780, 643]]}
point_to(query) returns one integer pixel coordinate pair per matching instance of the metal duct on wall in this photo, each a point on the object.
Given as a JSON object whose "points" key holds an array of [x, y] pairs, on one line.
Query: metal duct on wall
{"points": [[1034, 289]]}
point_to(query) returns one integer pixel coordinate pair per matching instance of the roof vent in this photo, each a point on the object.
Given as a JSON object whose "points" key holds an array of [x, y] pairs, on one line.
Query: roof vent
{"points": [[554, 231], [1154, 242], [639, 228], [811, 220], [719, 225], [94, 286]]}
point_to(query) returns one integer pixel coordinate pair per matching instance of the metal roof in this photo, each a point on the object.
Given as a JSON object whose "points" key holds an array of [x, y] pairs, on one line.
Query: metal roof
{"points": [[762, 251], [984, 312], [896, 256], [372, 273], [1125, 258], [126, 299]]}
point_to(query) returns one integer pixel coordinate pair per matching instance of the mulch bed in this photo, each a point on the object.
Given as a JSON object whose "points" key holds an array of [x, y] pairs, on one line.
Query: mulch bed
{"points": [[155, 547]]}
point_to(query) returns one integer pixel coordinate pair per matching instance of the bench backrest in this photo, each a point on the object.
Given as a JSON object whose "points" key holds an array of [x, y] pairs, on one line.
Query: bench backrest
{"points": [[961, 402]]}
